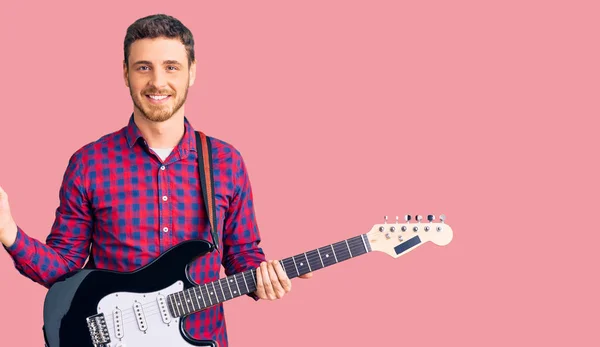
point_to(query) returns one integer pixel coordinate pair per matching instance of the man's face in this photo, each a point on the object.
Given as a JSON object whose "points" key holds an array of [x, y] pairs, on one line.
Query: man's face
{"points": [[158, 77]]}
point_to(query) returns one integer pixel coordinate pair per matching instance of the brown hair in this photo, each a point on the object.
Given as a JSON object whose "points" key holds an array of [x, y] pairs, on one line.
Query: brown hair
{"points": [[159, 25]]}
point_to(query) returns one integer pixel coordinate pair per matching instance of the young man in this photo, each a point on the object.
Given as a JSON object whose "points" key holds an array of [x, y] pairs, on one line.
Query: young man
{"points": [[135, 193]]}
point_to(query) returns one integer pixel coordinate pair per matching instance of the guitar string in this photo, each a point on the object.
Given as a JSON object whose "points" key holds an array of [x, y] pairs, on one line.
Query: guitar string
{"points": [[154, 310], [128, 313]]}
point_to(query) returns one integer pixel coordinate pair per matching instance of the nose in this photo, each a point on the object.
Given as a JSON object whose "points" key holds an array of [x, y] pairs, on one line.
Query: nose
{"points": [[159, 79]]}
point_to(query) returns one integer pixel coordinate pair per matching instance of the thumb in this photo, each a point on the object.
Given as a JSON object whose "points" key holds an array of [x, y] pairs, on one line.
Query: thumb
{"points": [[3, 197]]}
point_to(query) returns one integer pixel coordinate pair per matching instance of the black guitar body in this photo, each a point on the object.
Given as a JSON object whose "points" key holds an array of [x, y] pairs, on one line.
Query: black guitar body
{"points": [[76, 296]]}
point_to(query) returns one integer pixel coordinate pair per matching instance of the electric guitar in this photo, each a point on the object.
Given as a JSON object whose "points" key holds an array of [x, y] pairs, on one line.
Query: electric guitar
{"points": [[146, 307]]}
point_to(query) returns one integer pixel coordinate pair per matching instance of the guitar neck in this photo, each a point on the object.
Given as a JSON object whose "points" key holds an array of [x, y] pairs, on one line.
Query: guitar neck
{"points": [[198, 298]]}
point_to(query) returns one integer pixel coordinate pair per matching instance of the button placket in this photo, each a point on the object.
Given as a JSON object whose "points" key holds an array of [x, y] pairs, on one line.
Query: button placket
{"points": [[163, 208]]}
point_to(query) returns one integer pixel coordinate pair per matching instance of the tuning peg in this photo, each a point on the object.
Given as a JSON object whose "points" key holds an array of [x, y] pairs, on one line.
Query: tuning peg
{"points": [[442, 218], [419, 218], [396, 219], [407, 218], [430, 217], [384, 219]]}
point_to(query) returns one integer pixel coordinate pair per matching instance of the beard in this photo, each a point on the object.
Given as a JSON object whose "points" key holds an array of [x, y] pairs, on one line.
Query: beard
{"points": [[158, 113]]}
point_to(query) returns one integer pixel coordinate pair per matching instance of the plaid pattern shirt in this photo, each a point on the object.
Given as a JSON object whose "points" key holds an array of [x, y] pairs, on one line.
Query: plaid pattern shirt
{"points": [[118, 197]]}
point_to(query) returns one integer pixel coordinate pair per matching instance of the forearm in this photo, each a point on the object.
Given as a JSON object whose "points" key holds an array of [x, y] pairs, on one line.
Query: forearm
{"points": [[42, 263], [241, 257], [67, 246], [8, 234]]}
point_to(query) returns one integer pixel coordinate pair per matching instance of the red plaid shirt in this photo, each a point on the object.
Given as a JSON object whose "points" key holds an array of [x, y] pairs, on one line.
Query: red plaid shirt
{"points": [[120, 198]]}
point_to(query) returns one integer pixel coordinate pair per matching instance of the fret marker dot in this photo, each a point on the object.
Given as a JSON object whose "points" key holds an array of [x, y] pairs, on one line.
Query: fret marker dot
{"points": [[301, 264], [234, 292], [211, 293], [326, 255]]}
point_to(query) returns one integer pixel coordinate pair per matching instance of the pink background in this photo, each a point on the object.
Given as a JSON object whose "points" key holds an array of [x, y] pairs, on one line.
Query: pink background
{"points": [[346, 111]]}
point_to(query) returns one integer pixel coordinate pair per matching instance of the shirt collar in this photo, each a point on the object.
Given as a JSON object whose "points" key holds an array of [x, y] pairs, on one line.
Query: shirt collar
{"points": [[186, 145]]}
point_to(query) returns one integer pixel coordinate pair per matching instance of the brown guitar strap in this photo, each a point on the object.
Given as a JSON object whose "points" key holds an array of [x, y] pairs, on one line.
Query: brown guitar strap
{"points": [[204, 148]]}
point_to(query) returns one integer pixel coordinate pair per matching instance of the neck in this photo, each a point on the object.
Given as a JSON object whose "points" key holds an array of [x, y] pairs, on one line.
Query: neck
{"points": [[198, 298], [165, 134]]}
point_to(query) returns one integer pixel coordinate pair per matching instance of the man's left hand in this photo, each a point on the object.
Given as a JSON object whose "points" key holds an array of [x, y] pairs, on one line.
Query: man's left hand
{"points": [[271, 281]]}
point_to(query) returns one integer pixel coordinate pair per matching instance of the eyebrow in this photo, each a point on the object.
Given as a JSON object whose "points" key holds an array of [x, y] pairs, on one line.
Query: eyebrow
{"points": [[166, 62]]}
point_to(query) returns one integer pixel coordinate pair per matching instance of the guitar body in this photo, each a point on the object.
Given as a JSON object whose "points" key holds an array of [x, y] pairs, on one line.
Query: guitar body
{"points": [[126, 308]]}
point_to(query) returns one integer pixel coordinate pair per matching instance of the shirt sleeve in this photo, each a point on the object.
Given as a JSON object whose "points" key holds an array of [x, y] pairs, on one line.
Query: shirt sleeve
{"points": [[241, 236], [67, 245]]}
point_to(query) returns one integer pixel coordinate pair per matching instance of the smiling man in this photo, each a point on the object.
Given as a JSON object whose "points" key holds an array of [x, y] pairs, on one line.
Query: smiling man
{"points": [[133, 194]]}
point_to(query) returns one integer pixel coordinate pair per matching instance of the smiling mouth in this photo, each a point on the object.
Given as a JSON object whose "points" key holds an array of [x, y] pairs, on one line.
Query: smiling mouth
{"points": [[157, 99]]}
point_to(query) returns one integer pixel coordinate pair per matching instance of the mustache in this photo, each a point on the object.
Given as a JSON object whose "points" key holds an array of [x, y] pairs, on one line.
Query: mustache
{"points": [[158, 92]]}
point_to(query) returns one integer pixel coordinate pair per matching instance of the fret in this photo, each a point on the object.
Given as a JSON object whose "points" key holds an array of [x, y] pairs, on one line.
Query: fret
{"points": [[313, 260], [283, 267], [187, 302], [227, 279], [246, 283], [194, 295], [222, 290], [349, 251], [327, 255], [290, 266], [237, 285], [334, 255], [296, 266], [177, 304], [253, 277], [341, 252], [173, 306], [301, 264], [362, 237], [195, 306], [181, 304], [358, 246], [208, 294], [216, 291], [253, 282], [202, 297], [319, 253], [307, 262]]}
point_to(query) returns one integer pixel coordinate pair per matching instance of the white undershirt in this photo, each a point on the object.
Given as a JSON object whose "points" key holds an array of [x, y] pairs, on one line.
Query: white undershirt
{"points": [[163, 153]]}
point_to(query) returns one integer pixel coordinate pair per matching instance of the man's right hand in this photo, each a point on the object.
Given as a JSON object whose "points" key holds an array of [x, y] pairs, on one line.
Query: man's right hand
{"points": [[8, 227]]}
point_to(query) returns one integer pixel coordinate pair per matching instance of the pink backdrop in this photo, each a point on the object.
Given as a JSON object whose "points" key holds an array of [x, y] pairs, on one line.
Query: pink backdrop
{"points": [[346, 111]]}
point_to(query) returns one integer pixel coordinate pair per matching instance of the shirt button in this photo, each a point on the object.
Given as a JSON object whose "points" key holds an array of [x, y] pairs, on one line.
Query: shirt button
{"points": [[165, 198], [165, 229], [162, 168]]}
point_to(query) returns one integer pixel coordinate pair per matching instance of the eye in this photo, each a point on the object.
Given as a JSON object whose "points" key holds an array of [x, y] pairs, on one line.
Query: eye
{"points": [[172, 68], [143, 68]]}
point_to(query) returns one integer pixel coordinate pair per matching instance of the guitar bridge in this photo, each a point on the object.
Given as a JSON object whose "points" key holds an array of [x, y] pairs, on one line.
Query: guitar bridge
{"points": [[98, 330]]}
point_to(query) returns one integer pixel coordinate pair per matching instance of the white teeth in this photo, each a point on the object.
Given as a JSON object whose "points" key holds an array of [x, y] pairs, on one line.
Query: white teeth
{"points": [[158, 97]]}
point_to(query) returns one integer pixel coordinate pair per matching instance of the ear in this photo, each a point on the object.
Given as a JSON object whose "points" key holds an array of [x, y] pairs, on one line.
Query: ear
{"points": [[125, 74], [192, 73]]}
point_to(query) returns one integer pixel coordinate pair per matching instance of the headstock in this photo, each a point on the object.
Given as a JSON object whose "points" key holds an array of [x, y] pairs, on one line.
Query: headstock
{"points": [[397, 238]]}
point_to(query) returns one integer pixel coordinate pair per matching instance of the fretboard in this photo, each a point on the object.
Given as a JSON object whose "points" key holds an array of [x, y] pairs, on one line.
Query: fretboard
{"points": [[198, 298]]}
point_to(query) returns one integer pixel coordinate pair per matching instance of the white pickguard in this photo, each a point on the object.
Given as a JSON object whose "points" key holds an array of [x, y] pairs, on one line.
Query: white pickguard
{"points": [[150, 330]]}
